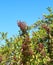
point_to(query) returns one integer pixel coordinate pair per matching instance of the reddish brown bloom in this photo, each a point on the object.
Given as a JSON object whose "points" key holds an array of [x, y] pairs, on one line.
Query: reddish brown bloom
{"points": [[27, 52], [40, 45], [24, 46], [46, 28], [26, 49], [22, 26]]}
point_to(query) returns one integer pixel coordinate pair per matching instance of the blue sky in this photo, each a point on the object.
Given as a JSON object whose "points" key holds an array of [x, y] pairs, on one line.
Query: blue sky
{"points": [[25, 10]]}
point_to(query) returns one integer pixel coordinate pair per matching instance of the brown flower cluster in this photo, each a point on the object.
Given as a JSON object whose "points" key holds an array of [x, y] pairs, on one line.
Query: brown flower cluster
{"points": [[26, 50], [22, 26], [46, 28], [41, 49]]}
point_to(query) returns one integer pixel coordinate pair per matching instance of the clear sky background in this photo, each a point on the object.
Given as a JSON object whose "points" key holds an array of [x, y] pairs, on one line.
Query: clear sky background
{"points": [[25, 10]]}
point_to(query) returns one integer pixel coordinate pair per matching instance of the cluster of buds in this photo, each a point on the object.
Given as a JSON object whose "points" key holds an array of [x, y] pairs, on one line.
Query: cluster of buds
{"points": [[22, 26], [46, 28], [26, 50], [26, 47], [41, 49]]}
